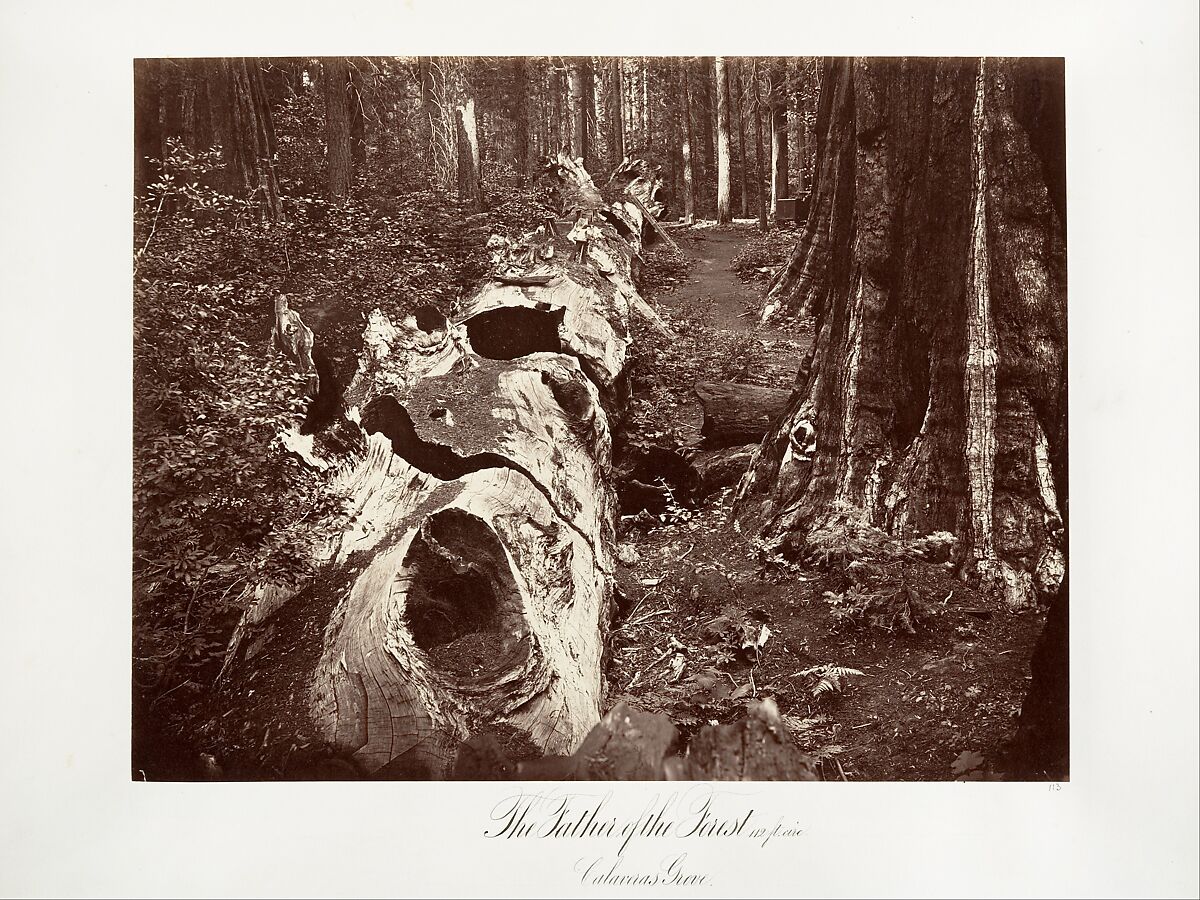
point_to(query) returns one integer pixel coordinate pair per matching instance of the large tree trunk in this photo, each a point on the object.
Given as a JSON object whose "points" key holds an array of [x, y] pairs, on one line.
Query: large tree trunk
{"points": [[741, 133], [469, 587], [579, 108], [469, 190], [520, 114], [689, 181], [644, 105], [1041, 749], [796, 121], [779, 132], [246, 131], [592, 113], [935, 262], [760, 180], [147, 125], [358, 119], [704, 109], [337, 127], [724, 209], [616, 128], [198, 116]]}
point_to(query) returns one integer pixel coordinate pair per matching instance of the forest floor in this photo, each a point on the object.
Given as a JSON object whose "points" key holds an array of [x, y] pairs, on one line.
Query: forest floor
{"points": [[694, 593], [697, 598]]}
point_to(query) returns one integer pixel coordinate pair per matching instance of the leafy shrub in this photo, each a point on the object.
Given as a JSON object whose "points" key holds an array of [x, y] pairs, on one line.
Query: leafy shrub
{"points": [[887, 602]]}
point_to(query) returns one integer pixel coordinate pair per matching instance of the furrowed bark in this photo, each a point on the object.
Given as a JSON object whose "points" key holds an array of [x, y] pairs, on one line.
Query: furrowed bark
{"points": [[470, 191], [469, 585], [934, 263]]}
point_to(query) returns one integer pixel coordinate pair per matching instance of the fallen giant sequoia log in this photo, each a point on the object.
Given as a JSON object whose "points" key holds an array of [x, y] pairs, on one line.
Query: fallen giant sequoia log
{"points": [[736, 414], [470, 586]]}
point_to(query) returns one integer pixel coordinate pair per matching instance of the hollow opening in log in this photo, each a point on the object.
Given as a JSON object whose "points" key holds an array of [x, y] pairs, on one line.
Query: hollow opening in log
{"points": [[327, 402], [463, 606], [387, 417], [515, 331], [618, 223], [430, 319]]}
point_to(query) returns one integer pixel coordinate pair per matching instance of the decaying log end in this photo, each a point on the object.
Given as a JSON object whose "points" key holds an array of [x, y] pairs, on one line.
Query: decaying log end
{"points": [[737, 414], [470, 584]]}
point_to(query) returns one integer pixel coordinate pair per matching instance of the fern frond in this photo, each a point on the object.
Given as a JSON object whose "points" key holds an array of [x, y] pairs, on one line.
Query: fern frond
{"points": [[828, 677], [840, 672]]}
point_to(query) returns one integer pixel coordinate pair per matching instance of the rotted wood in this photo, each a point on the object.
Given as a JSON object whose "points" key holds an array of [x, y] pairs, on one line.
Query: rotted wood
{"points": [[738, 413], [637, 183], [468, 585], [291, 337]]}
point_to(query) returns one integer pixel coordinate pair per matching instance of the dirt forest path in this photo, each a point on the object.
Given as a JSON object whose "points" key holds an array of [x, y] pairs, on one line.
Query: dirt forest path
{"points": [[712, 278], [717, 336]]}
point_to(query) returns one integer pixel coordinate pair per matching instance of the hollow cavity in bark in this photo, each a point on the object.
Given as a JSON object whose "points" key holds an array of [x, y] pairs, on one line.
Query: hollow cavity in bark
{"points": [[463, 607], [515, 331]]}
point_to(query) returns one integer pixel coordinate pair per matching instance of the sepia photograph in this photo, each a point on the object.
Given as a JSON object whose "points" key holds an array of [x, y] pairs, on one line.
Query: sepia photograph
{"points": [[600, 418], [466, 449]]}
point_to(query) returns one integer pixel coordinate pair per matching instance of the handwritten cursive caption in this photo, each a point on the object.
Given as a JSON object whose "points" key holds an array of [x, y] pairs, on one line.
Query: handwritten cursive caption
{"points": [[663, 842]]}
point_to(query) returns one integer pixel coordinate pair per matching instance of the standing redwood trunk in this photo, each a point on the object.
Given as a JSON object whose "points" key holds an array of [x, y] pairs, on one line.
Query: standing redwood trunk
{"points": [[741, 133], [645, 103], [172, 98], [703, 110], [632, 135], [935, 263], [590, 112], [427, 108], [554, 111], [796, 120], [578, 104], [358, 125], [779, 131], [198, 120], [242, 123], [760, 181], [689, 190], [337, 127], [147, 127], [616, 127], [724, 210], [671, 126], [469, 189], [520, 114]]}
